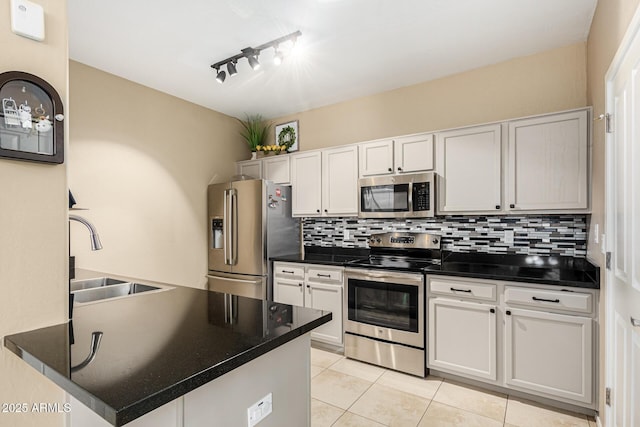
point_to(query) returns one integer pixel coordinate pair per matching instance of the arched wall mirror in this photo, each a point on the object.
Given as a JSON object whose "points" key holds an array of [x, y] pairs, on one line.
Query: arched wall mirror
{"points": [[31, 119]]}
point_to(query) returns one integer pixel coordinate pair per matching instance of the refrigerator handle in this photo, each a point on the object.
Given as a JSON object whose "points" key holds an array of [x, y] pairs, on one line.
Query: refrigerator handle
{"points": [[225, 231], [234, 225]]}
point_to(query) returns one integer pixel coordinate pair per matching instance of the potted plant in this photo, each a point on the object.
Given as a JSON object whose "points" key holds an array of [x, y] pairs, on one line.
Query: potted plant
{"points": [[254, 130]]}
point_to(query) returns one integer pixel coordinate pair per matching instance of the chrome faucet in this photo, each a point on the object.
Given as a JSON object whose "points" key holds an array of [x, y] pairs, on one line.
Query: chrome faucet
{"points": [[95, 239]]}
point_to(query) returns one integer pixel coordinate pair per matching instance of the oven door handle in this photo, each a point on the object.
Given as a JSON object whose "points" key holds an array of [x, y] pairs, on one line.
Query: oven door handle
{"points": [[401, 279]]}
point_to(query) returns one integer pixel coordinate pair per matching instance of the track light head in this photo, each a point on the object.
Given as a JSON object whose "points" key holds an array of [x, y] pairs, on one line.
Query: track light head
{"points": [[253, 61], [221, 76], [278, 58], [231, 68]]}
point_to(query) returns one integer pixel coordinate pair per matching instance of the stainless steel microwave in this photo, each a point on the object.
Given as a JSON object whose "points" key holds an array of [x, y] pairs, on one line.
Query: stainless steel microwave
{"points": [[397, 196]]}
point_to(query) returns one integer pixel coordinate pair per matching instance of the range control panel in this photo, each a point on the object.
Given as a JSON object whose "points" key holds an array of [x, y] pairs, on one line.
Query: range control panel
{"points": [[405, 240]]}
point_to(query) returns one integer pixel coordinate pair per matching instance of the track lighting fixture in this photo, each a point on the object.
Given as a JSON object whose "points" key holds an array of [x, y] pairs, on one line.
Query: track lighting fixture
{"points": [[252, 54], [221, 75], [231, 68]]}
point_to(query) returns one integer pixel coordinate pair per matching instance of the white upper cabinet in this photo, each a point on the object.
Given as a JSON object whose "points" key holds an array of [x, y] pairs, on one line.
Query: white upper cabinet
{"points": [[376, 158], [252, 168], [276, 169], [413, 153], [405, 154], [306, 180], [340, 181], [548, 162], [470, 168]]}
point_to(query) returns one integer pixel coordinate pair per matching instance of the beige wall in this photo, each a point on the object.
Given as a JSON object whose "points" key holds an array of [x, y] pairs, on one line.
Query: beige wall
{"points": [[549, 81], [141, 160], [609, 25], [33, 226]]}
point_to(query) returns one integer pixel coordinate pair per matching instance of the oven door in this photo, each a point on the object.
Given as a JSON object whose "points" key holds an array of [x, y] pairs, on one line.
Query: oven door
{"points": [[385, 305]]}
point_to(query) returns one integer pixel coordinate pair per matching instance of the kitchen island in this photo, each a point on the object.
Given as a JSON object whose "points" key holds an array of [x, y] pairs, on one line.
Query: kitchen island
{"points": [[178, 356]]}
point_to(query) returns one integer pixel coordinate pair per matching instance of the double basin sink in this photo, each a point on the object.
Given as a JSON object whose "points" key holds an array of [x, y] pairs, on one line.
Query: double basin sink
{"points": [[103, 288]]}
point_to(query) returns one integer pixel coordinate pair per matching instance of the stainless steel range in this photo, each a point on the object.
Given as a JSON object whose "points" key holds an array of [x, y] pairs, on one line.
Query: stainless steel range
{"points": [[385, 301]]}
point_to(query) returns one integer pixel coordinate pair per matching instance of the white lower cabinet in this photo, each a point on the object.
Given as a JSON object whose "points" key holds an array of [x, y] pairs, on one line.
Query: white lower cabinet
{"points": [[537, 339], [314, 286], [549, 353], [462, 337]]}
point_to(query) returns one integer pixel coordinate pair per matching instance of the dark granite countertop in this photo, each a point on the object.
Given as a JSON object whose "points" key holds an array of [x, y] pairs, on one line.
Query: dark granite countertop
{"points": [[325, 255], [542, 269], [546, 270], [157, 346]]}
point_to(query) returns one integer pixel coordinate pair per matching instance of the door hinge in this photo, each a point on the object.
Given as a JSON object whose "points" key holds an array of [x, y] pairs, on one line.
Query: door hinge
{"points": [[607, 123], [607, 398], [608, 260]]}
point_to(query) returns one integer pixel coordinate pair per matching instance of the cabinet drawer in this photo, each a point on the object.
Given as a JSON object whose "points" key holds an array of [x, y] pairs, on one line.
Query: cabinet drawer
{"points": [[288, 271], [324, 274], [561, 300], [463, 288]]}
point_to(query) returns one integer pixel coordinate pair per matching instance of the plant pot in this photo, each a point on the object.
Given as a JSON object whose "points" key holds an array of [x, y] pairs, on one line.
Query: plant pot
{"points": [[254, 155]]}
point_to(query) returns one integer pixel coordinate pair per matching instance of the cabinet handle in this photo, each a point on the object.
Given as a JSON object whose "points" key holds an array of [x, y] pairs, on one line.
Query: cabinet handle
{"points": [[318, 210], [400, 169], [390, 170], [325, 211], [545, 300], [497, 206], [512, 206], [287, 271], [508, 313], [308, 286], [492, 310], [300, 284], [635, 322], [461, 290], [323, 275]]}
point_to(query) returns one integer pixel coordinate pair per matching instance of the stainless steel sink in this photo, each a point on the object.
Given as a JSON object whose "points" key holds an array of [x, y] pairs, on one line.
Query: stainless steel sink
{"points": [[98, 282], [102, 288]]}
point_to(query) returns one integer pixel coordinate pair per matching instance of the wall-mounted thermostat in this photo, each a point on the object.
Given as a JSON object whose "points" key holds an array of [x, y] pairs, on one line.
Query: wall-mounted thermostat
{"points": [[27, 19]]}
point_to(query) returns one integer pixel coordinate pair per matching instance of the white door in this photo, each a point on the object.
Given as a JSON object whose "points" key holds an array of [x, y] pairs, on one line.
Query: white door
{"points": [[276, 169], [549, 354], [340, 181], [548, 162], [413, 153], [462, 337], [306, 183], [623, 232], [252, 168], [376, 158], [288, 291], [329, 298], [470, 168]]}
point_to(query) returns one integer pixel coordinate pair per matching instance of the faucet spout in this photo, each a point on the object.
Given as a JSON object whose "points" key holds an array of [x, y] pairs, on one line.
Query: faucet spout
{"points": [[96, 245]]}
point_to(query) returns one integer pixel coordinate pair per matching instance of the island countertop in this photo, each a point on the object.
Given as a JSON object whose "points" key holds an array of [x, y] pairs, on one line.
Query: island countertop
{"points": [[157, 346]]}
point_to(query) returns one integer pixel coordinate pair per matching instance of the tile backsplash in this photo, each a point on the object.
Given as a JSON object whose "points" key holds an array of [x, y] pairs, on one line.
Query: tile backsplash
{"points": [[564, 235]]}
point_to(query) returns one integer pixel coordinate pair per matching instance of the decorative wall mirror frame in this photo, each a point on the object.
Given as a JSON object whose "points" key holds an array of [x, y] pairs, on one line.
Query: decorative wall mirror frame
{"points": [[31, 119]]}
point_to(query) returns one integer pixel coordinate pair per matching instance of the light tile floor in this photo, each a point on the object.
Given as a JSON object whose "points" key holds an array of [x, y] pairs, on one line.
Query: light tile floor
{"points": [[347, 393]]}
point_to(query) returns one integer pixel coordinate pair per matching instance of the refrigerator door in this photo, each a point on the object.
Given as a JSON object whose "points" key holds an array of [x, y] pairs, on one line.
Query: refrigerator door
{"points": [[247, 220], [219, 232], [238, 284]]}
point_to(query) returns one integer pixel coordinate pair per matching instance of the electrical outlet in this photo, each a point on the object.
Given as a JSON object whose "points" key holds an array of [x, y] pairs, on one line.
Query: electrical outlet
{"points": [[508, 237], [259, 410], [596, 233], [346, 235]]}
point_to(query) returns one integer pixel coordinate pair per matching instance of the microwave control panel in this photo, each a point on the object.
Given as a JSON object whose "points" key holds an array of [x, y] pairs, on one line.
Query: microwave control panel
{"points": [[421, 196]]}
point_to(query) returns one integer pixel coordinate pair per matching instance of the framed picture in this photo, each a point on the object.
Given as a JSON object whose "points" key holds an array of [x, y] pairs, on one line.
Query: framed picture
{"points": [[288, 134]]}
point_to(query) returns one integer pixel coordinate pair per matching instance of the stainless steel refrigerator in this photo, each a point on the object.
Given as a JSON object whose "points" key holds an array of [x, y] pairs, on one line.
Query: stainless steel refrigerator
{"points": [[249, 222]]}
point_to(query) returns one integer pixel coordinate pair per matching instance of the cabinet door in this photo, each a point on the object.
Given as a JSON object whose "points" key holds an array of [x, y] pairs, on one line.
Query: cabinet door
{"points": [[413, 153], [549, 354], [462, 338], [306, 184], [252, 168], [548, 162], [340, 181], [469, 162], [276, 169], [287, 291], [326, 297], [376, 158]]}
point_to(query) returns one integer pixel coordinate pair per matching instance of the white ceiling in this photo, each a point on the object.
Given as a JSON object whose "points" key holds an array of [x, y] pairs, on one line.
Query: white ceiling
{"points": [[348, 48]]}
